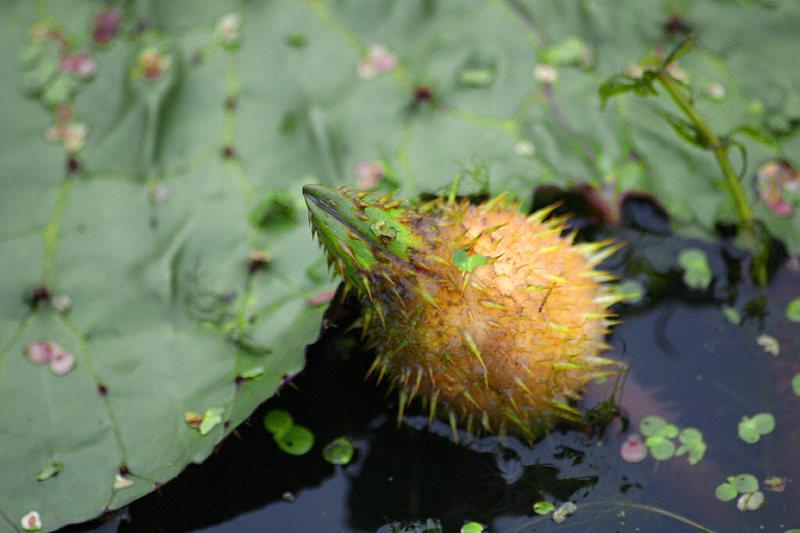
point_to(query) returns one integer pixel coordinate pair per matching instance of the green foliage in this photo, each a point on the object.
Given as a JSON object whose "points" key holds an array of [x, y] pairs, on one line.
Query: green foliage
{"points": [[472, 527], [137, 187], [659, 439], [543, 507], [339, 451], [696, 269], [752, 429], [467, 262], [735, 485], [793, 310]]}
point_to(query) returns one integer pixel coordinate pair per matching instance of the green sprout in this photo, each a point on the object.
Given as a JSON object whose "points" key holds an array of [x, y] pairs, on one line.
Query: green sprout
{"points": [[466, 262]]}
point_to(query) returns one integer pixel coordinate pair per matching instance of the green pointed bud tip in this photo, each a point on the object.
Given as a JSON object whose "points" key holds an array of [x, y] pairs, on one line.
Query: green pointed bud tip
{"points": [[356, 229]]}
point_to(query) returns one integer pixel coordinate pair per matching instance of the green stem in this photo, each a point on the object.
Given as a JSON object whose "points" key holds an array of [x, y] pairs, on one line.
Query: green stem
{"points": [[720, 150]]}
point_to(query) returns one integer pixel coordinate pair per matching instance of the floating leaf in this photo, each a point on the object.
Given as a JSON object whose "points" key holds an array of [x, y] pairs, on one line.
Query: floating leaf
{"points": [[472, 527], [796, 384], [732, 314], [793, 310], [660, 448], [339, 451], [751, 429], [726, 492], [543, 507], [297, 440], [652, 426], [744, 482], [278, 422], [696, 269]]}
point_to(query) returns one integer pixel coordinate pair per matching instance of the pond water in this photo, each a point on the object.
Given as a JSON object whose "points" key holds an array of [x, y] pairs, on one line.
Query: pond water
{"points": [[689, 364]]}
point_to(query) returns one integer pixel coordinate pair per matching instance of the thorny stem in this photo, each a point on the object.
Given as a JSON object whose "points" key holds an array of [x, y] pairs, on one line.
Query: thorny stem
{"points": [[720, 150]]}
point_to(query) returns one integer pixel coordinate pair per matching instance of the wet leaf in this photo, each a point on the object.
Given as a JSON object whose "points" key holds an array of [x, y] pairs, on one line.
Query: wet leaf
{"points": [[278, 422], [339, 451], [297, 440], [660, 448], [472, 527], [211, 419], [744, 482], [696, 269], [793, 310], [543, 507], [751, 429], [796, 384], [732, 314], [726, 492]]}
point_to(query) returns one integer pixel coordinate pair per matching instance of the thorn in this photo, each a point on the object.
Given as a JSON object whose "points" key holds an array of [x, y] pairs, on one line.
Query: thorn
{"points": [[477, 353], [432, 408], [453, 427]]}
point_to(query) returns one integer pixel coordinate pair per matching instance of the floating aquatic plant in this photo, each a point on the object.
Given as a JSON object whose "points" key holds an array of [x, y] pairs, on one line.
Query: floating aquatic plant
{"points": [[490, 316], [751, 429], [291, 438], [660, 436]]}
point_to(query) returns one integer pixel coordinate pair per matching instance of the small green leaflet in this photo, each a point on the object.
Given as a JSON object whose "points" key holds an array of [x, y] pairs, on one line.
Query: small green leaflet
{"points": [[466, 262], [793, 310], [339, 451], [696, 269], [211, 419], [472, 527], [735, 485], [543, 507]]}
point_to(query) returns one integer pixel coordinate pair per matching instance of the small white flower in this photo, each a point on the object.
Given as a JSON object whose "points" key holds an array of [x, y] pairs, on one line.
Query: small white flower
{"points": [[564, 510]]}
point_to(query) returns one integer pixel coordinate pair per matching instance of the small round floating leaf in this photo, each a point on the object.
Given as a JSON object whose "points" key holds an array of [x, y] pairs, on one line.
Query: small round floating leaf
{"points": [[688, 435], [732, 314], [339, 451], [297, 440], [726, 492], [793, 310], [748, 432], [660, 448], [744, 483], [652, 425], [796, 384], [543, 507], [764, 422], [278, 422], [696, 269], [472, 527]]}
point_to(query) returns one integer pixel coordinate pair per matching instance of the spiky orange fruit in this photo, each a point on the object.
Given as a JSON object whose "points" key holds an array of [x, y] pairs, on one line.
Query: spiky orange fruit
{"points": [[491, 317]]}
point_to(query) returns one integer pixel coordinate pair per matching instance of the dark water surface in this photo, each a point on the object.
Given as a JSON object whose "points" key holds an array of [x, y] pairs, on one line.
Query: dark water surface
{"points": [[689, 365]]}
